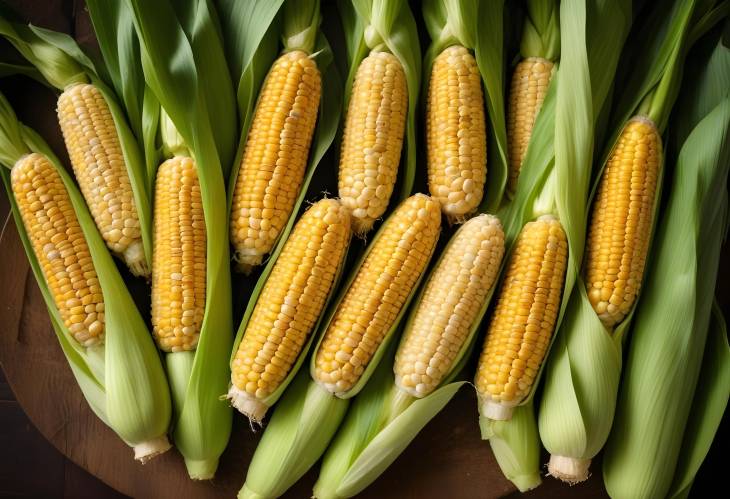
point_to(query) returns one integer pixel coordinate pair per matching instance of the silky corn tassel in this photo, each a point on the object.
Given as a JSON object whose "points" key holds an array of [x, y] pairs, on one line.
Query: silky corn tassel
{"points": [[530, 82], [379, 291], [455, 293], [98, 164], [620, 228], [60, 247], [178, 263], [524, 319], [275, 158], [287, 310], [456, 133], [373, 138]]}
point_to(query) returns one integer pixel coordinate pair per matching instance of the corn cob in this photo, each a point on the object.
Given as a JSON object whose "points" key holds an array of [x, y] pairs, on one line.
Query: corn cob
{"points": [[178, 264], [373, 138], [530, 82], [60, 247], [287, 310], [523, 321], [376, 296], [620, 228], [454, 295], [275, 158], [98, 163], [456, 133]]}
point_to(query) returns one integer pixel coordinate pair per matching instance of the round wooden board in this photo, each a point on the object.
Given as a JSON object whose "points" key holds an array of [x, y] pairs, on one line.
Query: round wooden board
{"points": [[447, 459]]}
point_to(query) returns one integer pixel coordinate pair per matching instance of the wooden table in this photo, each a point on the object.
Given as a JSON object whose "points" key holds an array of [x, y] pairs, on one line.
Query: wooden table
{"points": [[447, 459]]}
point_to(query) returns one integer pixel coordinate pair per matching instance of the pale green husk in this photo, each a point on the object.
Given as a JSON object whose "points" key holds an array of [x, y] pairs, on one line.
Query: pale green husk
{"points": [[295, 438], [387, 25], [185, 70], [61, 62], [477, 26], [583, 372], [122, 380], [555, 175], [303, 33], [672, 320], [541, 30]]}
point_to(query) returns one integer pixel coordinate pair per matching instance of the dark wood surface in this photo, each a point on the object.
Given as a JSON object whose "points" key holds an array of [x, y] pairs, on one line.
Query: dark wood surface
{"points": [[446, 460]]}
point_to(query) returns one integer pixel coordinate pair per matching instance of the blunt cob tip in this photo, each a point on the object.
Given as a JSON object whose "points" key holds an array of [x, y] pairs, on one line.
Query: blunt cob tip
{"points": [[145, 451], [568, 469]]}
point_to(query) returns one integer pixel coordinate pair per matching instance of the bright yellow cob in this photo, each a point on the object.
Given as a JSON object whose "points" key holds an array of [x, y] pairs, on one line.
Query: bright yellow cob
{"points": [[523, 321], [455, 293], [98, 164], [620, 227], [529, 86], [275, 158], [288, 307], [373, 138], [60, 246], [376, 296], [178, 263], [456, 133]]}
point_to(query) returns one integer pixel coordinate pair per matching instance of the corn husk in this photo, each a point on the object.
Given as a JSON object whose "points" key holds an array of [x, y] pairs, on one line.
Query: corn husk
{"points": [[555, 175], [301, 437], [672, 320], [478, 26], [301, 21], [121, 379], [61, 62], [576, 410], [186, 72]]}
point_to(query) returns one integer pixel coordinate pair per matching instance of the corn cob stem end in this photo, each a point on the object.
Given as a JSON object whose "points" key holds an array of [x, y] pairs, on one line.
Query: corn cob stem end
{"points": [[136, 261], [201, 469], [246, 493], [496, 411], [568, 469], [249, 406], [145, 451]]}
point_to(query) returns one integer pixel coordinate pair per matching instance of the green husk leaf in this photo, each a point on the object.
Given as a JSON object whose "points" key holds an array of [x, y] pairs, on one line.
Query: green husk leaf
{"points": [[541, 31], [302, 426], [388, 25], [8, 69], [477, 26], [583, 372], [171, 64], [122, 379], [62, 63], [672, 319], [515, 446], [708, 406]]}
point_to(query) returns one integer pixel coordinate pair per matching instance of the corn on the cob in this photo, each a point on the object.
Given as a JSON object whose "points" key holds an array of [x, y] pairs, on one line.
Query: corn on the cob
{"points": [[455, 293], [456, 133], [60, 246], [179, 257], [375, 298], [289, 305], [523, 321], [530, 82], [373, 138], [98, 163], [620, 227], [275, 158]]}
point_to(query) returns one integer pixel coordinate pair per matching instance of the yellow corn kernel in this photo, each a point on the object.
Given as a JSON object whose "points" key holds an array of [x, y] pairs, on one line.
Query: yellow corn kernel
{"points": [[178, 259], [455, 293], [289, 306], [60, 247], [275, 158], [620, 228], [373, 138], [98, 163], [523, 321], [456, 133], [372, 303], [530, 82]]}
